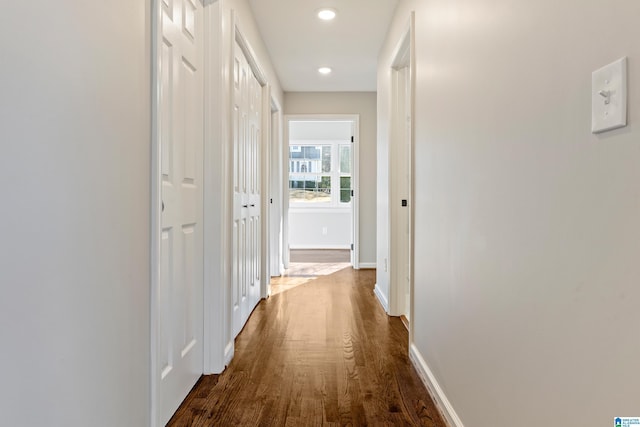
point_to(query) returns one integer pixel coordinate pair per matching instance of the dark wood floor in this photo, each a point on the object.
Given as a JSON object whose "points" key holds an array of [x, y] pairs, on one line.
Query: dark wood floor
{"points": [[320, 354]]}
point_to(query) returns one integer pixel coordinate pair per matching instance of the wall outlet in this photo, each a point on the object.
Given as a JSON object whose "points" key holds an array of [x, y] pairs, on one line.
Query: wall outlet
{"points": [[324, 231]]}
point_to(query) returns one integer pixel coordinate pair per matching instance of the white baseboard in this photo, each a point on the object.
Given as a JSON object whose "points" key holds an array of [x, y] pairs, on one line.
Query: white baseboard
{"points": [[335, 247], [229, 351], [383, 300], [368, 265], [438, 396]]}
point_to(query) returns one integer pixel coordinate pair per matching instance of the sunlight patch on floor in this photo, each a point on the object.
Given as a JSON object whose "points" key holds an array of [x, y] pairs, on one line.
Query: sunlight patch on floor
{"points": [[300, 273]]}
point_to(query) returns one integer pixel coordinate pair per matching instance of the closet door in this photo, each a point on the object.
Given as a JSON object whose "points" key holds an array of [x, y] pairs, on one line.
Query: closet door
{"points": [[247, 101], [180, 294]]}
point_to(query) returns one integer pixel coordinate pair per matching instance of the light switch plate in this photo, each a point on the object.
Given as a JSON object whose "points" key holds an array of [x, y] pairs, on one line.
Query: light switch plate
{"points": [[609, 97]]}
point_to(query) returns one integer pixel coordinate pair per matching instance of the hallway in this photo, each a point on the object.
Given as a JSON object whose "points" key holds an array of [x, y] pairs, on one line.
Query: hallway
{"points": [[323, 353]]}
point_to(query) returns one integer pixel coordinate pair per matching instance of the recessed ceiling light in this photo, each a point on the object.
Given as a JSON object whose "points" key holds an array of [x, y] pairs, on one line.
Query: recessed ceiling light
{"points": [[324, 70], [326, 14]]}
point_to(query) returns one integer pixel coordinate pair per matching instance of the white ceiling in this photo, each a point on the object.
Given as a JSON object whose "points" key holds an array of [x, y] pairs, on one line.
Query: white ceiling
{"points": [[299, 42]]}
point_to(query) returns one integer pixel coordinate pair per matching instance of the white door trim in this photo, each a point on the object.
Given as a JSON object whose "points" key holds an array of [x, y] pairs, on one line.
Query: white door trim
{"points": [[271, 197], [355, 181], [265, 214], [275, 190], [217, 351], [404, 56], [155, 207]]}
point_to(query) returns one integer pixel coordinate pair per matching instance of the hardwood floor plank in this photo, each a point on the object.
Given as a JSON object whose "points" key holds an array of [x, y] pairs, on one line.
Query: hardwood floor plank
{"points": [[323, 353]]}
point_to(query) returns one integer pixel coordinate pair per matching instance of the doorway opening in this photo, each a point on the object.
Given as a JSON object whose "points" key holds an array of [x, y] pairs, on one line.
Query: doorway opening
{"points": [[321, 163]]}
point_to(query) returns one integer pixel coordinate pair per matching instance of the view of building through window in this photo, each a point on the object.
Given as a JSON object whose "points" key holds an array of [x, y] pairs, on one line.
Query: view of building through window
{"points": [[320, 174]]}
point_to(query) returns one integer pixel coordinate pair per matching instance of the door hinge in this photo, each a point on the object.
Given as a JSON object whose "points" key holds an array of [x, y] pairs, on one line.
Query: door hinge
{"points": [[352, 193], [352, 246], [351, 139]]}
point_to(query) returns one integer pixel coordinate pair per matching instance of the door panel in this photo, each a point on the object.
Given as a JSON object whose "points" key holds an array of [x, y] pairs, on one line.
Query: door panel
{"points": [[255, 117], [239, 212], [247, 101], [165, 361], [179, 305]]}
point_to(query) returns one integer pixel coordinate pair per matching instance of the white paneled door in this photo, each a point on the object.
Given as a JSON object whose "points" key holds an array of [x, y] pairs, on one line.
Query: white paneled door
{"points": [[179, 302], [247, 104]]}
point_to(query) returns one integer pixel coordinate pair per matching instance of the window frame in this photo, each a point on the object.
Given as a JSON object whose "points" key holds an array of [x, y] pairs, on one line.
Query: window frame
{"points": [[335, 173]]}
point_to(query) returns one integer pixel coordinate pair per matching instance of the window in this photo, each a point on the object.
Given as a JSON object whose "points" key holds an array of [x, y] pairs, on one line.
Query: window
{"points": [[345, 173], [320, 174]]}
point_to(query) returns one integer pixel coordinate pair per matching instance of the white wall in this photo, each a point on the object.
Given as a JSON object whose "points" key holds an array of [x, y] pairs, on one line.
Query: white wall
{"points": [[219, 152], [75, 185], [364, 104], [527, 228], [315, 130], [319, 229]]}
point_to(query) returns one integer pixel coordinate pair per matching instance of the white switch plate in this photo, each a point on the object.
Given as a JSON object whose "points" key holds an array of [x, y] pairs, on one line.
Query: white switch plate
{"points": [[609, 96]]}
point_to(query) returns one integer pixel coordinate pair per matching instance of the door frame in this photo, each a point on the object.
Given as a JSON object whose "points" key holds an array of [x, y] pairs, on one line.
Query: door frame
{"points": [[275, 242], [355, 181], [403, 56], [222, 32], [270, 143], [256, 68], [155, 207], [218, 343]]}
